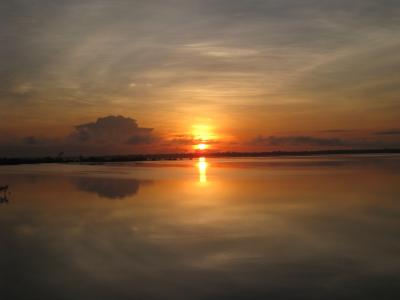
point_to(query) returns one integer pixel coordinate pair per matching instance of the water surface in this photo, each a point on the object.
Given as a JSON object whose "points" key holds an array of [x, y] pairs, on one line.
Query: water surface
{"points": [[263, 228]]}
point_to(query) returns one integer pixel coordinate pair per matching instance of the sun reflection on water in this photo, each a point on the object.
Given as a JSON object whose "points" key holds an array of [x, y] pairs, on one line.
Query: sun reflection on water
{"points": [[202, 166]]}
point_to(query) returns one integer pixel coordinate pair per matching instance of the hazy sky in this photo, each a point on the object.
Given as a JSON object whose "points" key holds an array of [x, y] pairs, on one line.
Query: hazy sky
{"points": [[245, 75]]}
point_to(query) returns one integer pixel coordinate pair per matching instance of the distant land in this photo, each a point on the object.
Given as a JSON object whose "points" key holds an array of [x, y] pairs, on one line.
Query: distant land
{"points": [[181, 156]]}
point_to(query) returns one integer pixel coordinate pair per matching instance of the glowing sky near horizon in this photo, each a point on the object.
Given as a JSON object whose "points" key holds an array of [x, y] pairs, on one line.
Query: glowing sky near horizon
{"points": [[244, 75]]}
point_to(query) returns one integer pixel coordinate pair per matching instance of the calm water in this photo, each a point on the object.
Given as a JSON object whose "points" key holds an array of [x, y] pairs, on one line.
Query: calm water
{"points": [[293, 228]]}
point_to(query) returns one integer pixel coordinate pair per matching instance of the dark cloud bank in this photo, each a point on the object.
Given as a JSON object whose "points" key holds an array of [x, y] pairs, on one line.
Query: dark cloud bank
{"points": [[302, 141], [389, 132]]}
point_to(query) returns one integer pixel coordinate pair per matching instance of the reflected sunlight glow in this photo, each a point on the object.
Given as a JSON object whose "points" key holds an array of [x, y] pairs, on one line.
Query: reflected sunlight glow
{"points": [[202, 166]]}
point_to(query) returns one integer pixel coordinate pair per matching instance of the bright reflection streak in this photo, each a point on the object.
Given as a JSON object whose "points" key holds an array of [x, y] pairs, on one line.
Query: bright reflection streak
{"points": [[202, 166]]}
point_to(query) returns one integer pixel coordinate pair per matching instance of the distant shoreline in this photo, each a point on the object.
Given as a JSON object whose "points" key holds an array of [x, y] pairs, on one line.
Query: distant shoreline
{"points": [[182, 156]]}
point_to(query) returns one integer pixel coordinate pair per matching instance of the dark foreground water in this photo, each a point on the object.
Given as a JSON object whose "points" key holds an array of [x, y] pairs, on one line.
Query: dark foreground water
{"points": [[293, 228]]}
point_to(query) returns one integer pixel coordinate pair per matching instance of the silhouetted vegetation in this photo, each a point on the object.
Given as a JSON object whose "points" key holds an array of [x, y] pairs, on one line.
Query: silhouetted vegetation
{"points": [[3, 199], [180, 156]]}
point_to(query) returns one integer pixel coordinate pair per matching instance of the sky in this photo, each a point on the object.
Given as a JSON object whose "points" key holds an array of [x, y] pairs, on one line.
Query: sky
{"points": [[110, 77]]}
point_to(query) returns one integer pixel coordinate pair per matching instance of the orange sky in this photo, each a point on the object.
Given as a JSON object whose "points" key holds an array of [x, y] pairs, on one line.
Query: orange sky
{"points": [[245, 75]]}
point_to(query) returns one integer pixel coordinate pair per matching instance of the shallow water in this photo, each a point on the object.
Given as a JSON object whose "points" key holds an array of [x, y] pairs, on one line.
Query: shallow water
{"points": [[262, 228]]}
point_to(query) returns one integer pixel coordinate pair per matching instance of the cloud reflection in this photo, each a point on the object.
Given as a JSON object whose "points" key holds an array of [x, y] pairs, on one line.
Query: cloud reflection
{"points": [[111, 188]]}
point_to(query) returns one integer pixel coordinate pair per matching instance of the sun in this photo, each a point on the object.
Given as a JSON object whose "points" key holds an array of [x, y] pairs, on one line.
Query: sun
{"points": [[203, 134], [201, 146]]}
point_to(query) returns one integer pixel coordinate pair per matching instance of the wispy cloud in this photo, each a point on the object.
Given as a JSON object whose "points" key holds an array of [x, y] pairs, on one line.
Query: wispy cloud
{"points": [[333, 62]]}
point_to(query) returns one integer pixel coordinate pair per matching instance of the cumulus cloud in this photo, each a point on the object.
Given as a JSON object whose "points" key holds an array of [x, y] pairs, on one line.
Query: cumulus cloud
{"points": [[110, 130]]}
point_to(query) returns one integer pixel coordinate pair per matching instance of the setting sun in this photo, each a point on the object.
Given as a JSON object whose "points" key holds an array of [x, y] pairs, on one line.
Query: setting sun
{"points": [[201, 146]]}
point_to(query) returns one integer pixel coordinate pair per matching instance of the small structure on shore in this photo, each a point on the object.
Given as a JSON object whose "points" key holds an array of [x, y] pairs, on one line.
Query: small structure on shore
{"points": [[3, 195]]}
